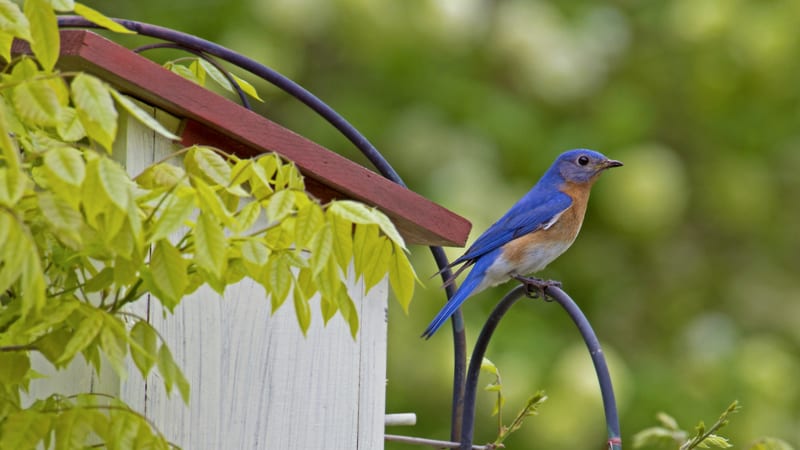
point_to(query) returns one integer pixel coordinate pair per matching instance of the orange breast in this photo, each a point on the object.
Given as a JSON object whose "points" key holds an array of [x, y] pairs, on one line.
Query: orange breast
{"points": [[546, 245]]}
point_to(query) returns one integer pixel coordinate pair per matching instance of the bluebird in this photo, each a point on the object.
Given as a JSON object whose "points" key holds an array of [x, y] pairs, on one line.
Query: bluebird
{"points": [[535, 231]]}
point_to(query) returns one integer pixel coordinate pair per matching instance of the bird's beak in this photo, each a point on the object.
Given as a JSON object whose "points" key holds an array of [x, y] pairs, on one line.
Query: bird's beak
{"points": [[609, 163]]}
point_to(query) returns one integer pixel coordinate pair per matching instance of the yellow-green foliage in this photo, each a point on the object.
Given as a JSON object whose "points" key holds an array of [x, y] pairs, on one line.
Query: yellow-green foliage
{"points": [[81, 239]]}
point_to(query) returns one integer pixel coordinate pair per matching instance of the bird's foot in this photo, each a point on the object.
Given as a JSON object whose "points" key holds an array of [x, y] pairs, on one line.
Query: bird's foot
{"points": [[535, 287]]}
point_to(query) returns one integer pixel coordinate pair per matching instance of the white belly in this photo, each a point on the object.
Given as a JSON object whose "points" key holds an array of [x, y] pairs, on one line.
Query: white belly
{"points": [[534, 259]]}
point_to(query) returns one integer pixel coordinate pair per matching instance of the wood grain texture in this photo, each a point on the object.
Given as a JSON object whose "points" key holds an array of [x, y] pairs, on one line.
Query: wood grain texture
{"points": [[213, 119]]}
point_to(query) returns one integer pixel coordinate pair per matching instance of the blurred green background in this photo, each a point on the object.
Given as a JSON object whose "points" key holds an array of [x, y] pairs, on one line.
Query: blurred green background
{"points": [[687, 265]]}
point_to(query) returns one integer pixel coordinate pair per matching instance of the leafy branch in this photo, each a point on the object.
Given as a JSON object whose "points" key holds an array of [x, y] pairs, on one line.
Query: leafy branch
{"points": [[531, 407], [669, 433]]}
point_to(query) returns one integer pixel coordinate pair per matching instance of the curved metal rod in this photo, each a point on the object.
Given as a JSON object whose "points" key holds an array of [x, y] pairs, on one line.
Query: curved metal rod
{"points": [[234, 84], [188, 41], [599, 361], [459, 349], [589, 337], [471, 386]]}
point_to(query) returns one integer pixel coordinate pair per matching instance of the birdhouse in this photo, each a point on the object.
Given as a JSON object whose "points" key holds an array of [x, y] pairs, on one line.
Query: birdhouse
{"points": [[256, 381]]}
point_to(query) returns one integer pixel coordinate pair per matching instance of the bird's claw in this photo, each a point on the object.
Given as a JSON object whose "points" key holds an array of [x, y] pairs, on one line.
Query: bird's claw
{"points": [[535, 287]]}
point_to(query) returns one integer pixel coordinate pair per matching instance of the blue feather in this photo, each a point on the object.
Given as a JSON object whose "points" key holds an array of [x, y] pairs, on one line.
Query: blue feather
{"points": [[472, 281]]}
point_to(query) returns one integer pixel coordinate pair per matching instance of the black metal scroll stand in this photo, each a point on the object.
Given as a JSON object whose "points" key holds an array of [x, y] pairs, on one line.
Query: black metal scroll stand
{"points": [[601, 368], [463, 407]]}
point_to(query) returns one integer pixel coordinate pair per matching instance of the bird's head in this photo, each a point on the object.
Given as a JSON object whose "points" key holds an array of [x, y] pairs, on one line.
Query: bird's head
{"points": [[581, 166]]}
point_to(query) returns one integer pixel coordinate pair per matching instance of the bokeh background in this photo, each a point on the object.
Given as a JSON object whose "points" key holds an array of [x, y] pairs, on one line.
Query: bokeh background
{"points": [[688, 261]]}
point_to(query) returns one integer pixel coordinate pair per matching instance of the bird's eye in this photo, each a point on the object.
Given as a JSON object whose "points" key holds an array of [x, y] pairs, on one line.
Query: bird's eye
{"points": [[583, 160]]}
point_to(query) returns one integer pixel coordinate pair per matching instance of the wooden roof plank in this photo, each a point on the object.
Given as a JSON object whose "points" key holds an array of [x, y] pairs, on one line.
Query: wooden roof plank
{"points": [[213, 119]]}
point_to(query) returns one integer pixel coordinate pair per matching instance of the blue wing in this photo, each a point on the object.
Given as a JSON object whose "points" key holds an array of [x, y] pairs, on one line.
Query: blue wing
{"points": [[470, 283], [531, 212]]}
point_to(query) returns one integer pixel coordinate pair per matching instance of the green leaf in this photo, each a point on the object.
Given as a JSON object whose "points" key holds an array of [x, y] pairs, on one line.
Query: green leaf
{"points": [[387, 227], [169, 271], [185, 72], [210, 245], [301, 307], [23, 430], [254, 252], [247, 216], [259, 177], [215, 74], [63, 5], [36, 101], [211, 203], [488, 366], [246, 87], [95, 107], [280, 205], [10, 152], [52, 346], [32, 283], [66, 164], [65, 221], [125, 271], [714, 440], [12, 186], [72, 429], [401, 277], [172, 373], [69, 126], [96, 17], [14, 367], [114, 182], [112, 341], [348, 310], [380, 257], [101, 281], [12, 21], [13, 252], [365, 239], [198, 72], [308, 222], [176, 211], [53, 316], [342, 239], [208, 163], [352, 211], [322, 248], [163, 175], [86, 332], [6, 41], [12, 178], [45, 41], [143, 116], [123, 430], [143, 340], [279, 280], [329, 283]]}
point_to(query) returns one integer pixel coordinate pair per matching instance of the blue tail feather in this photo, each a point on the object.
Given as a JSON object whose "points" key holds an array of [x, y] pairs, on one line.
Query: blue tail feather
{"points": [[466, 289]]}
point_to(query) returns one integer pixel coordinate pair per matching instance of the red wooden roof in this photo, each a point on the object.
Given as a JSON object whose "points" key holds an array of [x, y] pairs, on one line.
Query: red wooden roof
{"points": [[214, 120]]}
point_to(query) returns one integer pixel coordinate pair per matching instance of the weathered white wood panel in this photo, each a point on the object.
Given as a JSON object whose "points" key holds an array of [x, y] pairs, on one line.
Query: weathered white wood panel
{"points": [[257, 382]]}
